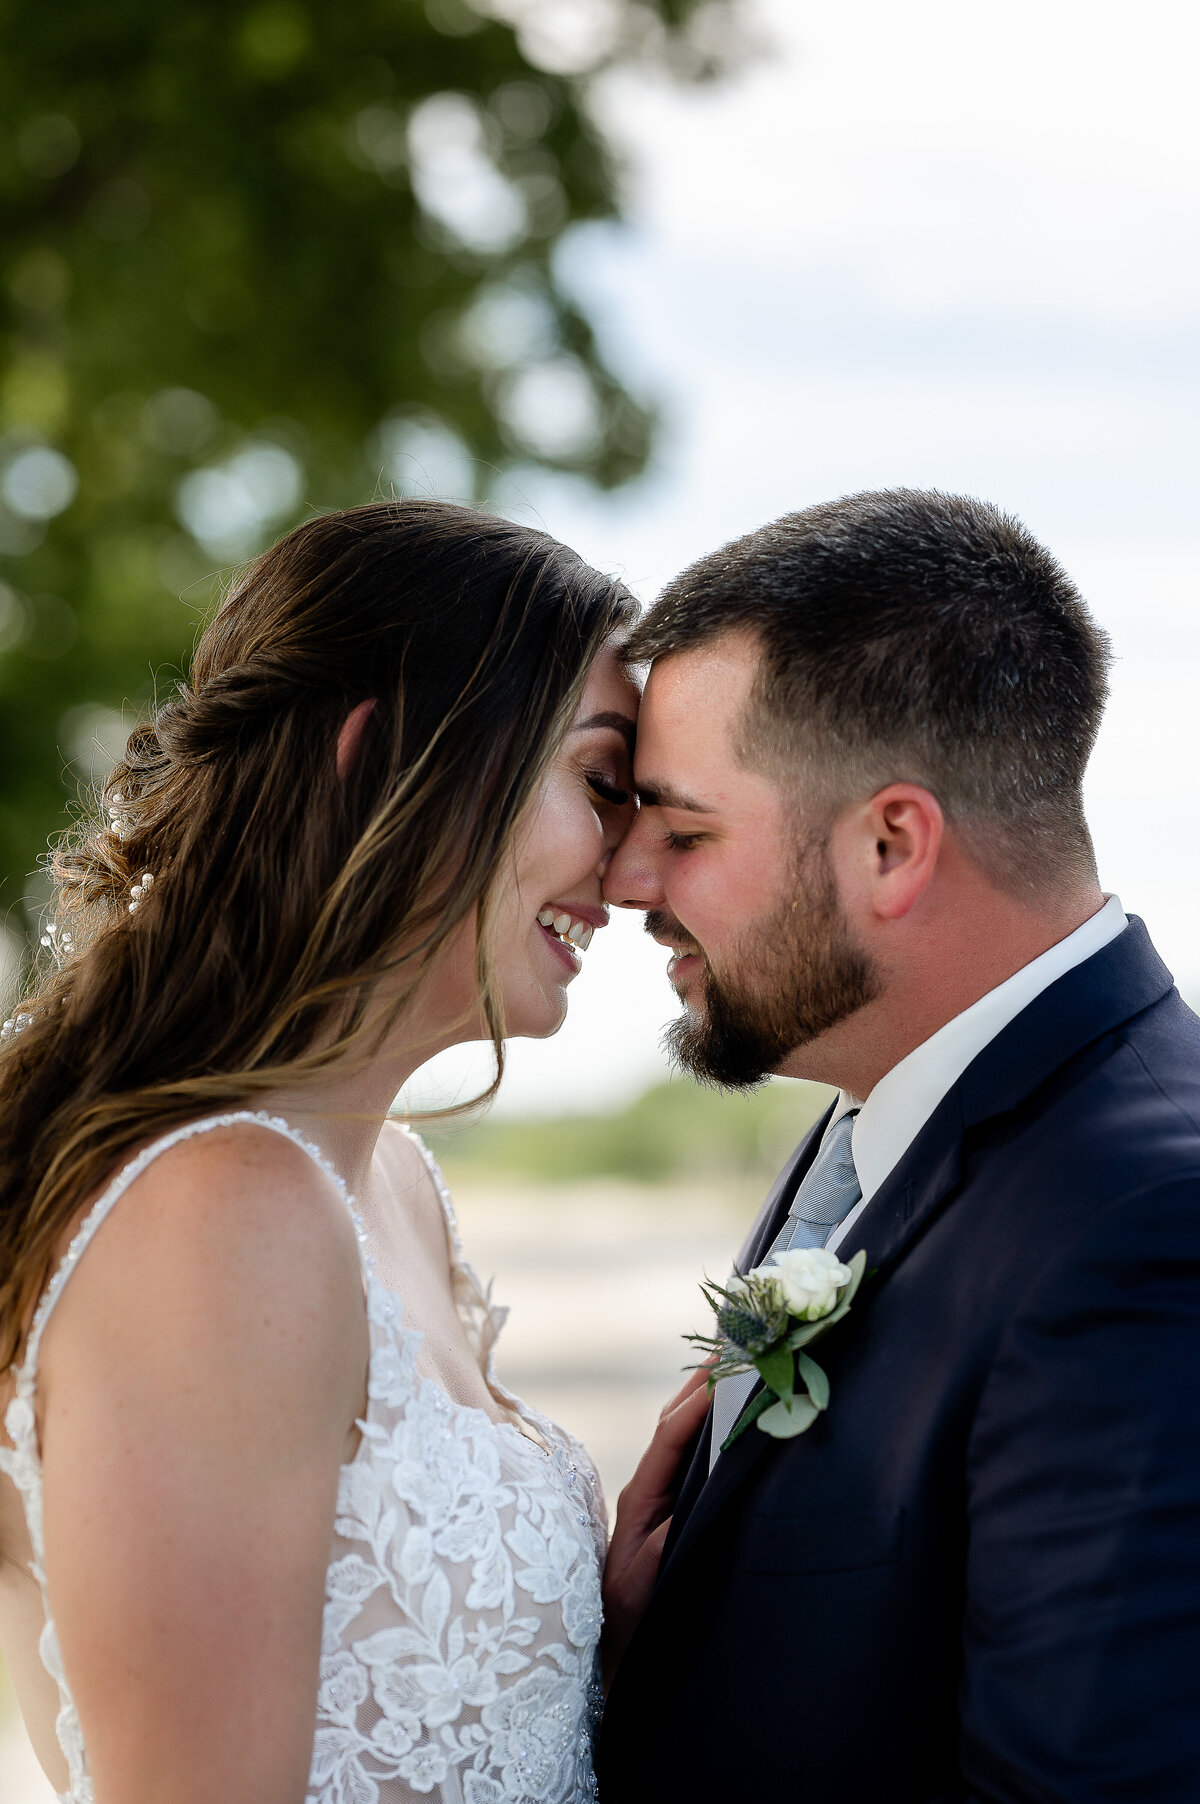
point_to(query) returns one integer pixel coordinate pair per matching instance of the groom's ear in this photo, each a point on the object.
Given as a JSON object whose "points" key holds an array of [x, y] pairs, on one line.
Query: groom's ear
{"points": [[897, 838]]}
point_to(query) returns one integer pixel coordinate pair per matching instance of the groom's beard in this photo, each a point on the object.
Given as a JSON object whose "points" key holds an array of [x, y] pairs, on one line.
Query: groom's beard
{"points": [[796, 974]]}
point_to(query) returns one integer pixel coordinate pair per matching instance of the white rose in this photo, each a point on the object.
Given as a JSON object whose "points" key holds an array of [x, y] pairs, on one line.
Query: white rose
{"points": [[810, 1278]]}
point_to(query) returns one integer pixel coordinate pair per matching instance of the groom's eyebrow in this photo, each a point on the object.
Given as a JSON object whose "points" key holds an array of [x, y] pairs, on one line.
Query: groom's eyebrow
{"points": [[662, 795]]}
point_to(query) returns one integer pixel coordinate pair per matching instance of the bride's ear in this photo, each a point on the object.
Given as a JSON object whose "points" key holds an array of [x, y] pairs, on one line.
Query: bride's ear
{"points": [[350, 737]]}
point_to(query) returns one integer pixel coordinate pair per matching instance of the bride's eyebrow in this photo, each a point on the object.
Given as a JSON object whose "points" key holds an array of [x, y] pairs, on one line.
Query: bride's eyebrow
{"points": [[610, 717]]}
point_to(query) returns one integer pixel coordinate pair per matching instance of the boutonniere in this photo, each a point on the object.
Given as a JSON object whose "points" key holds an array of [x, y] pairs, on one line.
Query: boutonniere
{"points": [[765, 1320]]}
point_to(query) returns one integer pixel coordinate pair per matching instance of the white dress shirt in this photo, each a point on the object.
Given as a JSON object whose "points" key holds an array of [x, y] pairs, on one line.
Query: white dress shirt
{"points": [[902, 1101]]}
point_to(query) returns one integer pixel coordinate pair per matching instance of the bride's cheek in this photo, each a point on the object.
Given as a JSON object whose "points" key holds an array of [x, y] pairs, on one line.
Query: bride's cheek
{"points": [[561, 827]]}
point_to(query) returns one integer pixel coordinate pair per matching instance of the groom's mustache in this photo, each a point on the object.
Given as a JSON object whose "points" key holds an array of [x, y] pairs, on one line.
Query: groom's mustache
{"points": [[669, 932]]}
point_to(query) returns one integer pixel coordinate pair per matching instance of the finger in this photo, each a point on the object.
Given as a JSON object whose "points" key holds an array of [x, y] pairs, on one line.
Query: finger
{"points": [[683, 1415], [676, 1426], [627, 1588], [650, 1493], [650, 1557], [624, 1577], [694, 1381]]}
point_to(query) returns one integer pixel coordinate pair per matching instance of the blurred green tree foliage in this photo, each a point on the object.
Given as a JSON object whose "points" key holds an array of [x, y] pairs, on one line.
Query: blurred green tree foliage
{"points": [[673, 1132], [262, 258]]}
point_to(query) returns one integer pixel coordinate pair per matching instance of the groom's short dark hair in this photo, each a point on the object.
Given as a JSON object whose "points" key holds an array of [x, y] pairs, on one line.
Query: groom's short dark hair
{"points": [[912, 636]]}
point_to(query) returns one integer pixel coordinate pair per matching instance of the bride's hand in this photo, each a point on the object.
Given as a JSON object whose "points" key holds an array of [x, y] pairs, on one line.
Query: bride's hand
{"points": [[644, 1519]]}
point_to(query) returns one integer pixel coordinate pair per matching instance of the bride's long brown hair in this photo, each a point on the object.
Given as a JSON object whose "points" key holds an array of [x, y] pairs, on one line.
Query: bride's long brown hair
{"points": [[281, 893]]}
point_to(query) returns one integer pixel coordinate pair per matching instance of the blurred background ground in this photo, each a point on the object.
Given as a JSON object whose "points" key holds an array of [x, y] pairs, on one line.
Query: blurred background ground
{"points": [[21, 1778]]}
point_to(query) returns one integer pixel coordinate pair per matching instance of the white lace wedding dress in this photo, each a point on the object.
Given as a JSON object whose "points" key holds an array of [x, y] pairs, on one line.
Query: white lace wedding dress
{"points": [[462, 1596]]}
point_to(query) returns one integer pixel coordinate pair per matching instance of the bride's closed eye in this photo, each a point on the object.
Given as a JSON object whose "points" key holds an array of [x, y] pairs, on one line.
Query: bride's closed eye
{"points": [[606, 790]]}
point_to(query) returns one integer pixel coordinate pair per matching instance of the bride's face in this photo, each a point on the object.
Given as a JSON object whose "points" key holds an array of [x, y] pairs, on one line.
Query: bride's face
{"points": [[548, 902]]}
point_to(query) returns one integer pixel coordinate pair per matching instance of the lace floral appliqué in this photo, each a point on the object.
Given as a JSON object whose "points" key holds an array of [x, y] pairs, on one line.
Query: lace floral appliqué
{"points": [[463, 1605]]}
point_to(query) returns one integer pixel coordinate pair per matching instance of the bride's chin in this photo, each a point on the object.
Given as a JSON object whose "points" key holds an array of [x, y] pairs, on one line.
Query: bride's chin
{"points": [[538, 1020]]}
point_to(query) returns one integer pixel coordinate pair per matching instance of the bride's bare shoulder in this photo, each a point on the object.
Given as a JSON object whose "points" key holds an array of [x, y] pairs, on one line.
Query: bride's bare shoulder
{"points": [[242, 1181], [214, 1227]]}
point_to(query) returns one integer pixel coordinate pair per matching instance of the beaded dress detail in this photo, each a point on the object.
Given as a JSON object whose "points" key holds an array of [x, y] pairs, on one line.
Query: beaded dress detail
{"points": [[459, 1659]]}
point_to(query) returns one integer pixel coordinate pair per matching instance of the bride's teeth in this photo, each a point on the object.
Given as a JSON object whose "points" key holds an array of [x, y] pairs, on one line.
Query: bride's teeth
{"points": [[578, 933]]}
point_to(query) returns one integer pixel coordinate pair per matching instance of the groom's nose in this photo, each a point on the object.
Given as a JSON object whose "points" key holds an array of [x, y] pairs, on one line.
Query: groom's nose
{"points": [[632, 879]]}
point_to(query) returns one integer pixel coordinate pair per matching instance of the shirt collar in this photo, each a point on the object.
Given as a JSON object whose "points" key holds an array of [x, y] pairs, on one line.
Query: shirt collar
{"points": [[903, 1100]]}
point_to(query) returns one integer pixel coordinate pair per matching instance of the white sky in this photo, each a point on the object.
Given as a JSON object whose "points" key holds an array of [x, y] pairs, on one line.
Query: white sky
{"points": [[931, 245]]}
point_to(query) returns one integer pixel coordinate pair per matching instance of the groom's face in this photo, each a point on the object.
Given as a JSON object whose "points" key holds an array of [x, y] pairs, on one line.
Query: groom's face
{"points": [[734, 876]]}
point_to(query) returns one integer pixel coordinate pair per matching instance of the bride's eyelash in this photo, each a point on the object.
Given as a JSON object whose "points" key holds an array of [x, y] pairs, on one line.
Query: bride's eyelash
{"points": [[682, 842], [606, 790]]}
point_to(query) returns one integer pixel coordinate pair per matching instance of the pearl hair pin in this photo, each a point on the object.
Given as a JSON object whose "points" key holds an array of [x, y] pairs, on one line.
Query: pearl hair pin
{"points": [[60, 943]]}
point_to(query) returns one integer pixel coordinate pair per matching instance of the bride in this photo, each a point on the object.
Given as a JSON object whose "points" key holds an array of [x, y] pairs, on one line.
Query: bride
{"points": [[269, 1527]]}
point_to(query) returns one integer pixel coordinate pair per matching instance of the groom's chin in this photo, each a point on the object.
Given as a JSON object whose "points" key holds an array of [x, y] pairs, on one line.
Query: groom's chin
{"points": [[724, 1062]]}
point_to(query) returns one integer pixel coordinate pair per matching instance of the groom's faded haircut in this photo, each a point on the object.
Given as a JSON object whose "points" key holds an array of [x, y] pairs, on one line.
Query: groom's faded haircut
{"points": [[911, 636]]}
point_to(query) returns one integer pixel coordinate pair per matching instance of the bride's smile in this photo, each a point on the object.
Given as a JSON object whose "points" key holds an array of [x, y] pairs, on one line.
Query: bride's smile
{"points": [[551, 903]]}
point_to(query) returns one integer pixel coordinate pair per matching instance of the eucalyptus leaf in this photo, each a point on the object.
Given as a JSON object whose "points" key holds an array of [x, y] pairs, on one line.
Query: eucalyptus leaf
{"points": [[858, 1267], [811, 1331], [815, 1379], [788, 1417], [800, 1337], [776, 1370]]}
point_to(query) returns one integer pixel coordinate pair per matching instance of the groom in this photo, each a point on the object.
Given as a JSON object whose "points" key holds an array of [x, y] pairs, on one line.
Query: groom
{"points": [[976, 1578]]}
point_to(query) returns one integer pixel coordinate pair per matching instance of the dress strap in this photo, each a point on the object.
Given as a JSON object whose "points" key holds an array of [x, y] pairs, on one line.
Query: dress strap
{"points": [[481, 1318], [102, 1207], [439, 1184]]}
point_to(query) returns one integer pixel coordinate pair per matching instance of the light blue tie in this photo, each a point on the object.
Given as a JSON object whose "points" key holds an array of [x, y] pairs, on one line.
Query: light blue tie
{"points": [[826, 1195]]}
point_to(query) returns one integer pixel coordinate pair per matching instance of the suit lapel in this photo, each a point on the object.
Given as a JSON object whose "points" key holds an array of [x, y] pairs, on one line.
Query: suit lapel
{"points": [[766, 1226], [1120, 981], [1091, 1000], [894, 1215], [911, 1195]]}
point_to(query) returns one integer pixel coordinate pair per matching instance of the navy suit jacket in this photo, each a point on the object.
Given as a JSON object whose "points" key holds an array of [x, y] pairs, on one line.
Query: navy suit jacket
{"points": [[976, 1579]]}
